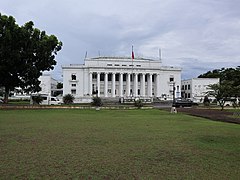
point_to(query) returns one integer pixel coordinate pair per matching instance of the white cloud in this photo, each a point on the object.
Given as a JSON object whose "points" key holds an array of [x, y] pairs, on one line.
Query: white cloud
{"points": [[192, 34]]}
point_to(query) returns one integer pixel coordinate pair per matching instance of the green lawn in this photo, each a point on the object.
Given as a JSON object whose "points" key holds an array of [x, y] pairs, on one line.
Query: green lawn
{"points": [[116, 144]]}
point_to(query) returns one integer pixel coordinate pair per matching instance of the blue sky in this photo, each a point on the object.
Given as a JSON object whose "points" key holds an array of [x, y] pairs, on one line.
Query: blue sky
{"points": [[197, 35]]}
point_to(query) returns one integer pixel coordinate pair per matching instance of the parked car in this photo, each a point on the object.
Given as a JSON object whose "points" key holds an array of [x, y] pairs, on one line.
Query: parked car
{"points": [[50, 100], [180, 102]]}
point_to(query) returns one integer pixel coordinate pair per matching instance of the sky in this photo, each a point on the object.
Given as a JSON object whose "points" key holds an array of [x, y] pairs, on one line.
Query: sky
{"points": [[196, 35]]}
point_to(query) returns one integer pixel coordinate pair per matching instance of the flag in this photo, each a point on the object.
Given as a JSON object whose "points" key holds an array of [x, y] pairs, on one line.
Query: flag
{"points": [[132, 53]]}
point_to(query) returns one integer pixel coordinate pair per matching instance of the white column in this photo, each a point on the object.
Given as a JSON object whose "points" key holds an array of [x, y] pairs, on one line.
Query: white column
{"points": [[135, 85], [121, 85], [106, 84], [98, 84], [113, 85], [128, 84], [150, 85], [90, 84], [143, 85], [157, 85]]}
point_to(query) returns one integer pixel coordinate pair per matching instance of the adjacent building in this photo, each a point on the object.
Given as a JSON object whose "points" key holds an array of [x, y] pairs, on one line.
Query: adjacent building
{"points": [[48, 87], [112, 77], [48, 84], [196, 88]]}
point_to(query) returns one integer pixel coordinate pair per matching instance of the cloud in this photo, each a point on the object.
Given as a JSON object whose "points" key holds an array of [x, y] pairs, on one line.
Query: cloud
{"points": [[196, 35]]}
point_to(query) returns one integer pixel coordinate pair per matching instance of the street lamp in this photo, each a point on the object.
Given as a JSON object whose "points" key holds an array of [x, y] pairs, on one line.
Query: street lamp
{"points": [[173, 109]]}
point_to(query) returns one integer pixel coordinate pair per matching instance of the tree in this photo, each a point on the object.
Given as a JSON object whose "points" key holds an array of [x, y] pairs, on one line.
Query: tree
{"points": [[222, 92], [59, 91], [68, 99], [206, 101], [25, 52], [225, 74], [229, 86], [59, 85]]}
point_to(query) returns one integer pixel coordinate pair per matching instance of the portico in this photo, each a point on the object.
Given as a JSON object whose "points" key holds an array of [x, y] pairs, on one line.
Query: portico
{"points": [[126, 85]]}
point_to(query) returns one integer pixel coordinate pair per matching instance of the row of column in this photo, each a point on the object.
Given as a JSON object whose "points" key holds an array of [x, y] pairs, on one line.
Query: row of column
{"points": [[128, 84]]}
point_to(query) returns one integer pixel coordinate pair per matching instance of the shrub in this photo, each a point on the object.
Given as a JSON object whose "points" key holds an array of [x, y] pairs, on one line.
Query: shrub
{"points": [[138, 103], [37, 99], [206, 101], [68, 99], [97, 101]]}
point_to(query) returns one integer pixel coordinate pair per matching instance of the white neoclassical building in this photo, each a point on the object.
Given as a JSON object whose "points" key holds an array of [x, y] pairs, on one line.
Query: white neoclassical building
{"points": [[112, 77]]}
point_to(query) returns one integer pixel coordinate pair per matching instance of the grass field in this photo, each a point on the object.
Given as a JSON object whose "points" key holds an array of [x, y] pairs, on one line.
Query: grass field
{"points": [[116, 144]]}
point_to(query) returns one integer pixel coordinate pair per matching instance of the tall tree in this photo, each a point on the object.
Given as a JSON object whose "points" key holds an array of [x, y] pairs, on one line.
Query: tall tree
{"points": [[222, 92], [25, 52], [229, 86], [225, 74]]}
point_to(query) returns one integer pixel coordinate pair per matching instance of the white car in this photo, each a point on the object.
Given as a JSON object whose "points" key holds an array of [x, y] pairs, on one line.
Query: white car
{"points": [[50, 100]]}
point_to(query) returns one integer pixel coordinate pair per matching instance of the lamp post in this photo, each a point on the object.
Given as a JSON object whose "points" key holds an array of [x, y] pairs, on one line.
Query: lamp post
{"points": [[173, 109], [174, 89]]}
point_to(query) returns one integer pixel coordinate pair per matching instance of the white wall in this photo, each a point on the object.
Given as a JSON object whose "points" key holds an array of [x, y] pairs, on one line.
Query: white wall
{"points": [[47, 84], [199, 87]]}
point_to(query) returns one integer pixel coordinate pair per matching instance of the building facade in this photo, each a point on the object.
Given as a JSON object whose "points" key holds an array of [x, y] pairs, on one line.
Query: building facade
{"points": [[48, 84], [196, 88], [112, 77], [48, 87]]}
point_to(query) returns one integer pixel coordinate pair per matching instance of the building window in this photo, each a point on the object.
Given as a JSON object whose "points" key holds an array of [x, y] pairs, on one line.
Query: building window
{"points": [[185, 87], [109, 64], [177, 88], [116, 64], [189, 87], [74, 77], [138, 65], [94, 76], [124, 65], [182, 87], [109, 90], [171, 79], [188, 95], [130, 65], [73, 91], [74, 85]]}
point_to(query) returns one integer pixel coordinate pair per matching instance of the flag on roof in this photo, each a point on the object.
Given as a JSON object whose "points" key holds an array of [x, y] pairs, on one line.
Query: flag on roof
{"points": [[132, 53]]}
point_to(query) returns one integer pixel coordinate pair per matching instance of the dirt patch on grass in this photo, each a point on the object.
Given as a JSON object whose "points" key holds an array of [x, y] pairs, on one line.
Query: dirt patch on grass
{"points": [[213, 114]]}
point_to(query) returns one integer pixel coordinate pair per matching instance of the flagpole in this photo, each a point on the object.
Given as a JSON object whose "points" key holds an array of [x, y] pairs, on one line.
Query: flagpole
{"points": [[160, 55], [132, 72]]}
